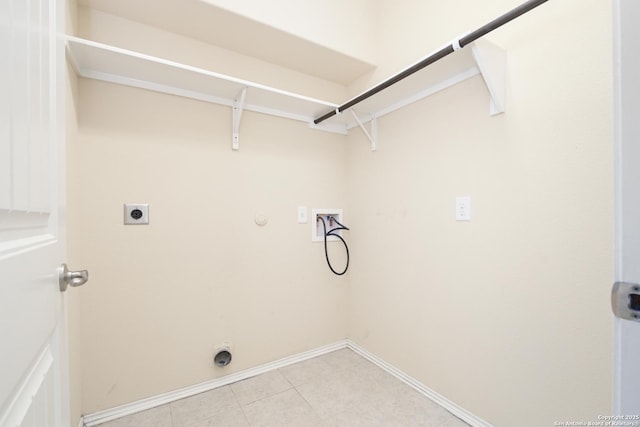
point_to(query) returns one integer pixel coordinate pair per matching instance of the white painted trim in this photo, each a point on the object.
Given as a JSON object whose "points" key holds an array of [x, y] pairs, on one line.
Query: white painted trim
{"points": [[11, 220], [340, 128], [21, 246], [169, 90], [155, 87], [284, 114], [447, 404], [152, 402], [22, 400], [81, 422], [96, 418]]}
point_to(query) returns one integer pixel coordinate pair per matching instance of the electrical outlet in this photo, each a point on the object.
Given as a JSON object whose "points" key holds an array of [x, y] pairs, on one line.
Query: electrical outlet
{"points": [[136, 213], [463, 208]]}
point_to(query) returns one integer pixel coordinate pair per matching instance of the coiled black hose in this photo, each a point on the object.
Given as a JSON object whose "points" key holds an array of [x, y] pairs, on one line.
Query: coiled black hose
{"points": [[333, 232]]}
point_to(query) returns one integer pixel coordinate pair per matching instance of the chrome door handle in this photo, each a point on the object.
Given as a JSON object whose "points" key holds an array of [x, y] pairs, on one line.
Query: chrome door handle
{"points": [[625, 300], [71, 278]]}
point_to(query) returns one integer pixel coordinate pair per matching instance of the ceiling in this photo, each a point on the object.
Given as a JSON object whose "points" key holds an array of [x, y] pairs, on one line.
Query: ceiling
{"points": [[205, 22]]}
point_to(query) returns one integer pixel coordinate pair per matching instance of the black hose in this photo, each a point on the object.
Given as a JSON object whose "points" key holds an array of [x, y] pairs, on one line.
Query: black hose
{"points": [[332, 232]]}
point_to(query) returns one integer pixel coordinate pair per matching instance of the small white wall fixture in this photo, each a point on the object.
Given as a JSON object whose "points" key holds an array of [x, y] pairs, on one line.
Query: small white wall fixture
{"points": [[103, 62]]}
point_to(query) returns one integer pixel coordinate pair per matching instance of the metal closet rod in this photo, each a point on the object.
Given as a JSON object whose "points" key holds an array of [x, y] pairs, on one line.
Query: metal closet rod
{"points": [[462, 42]]}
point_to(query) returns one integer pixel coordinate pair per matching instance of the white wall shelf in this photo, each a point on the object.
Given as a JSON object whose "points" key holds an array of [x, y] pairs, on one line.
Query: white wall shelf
{"points": [[102, 62]]}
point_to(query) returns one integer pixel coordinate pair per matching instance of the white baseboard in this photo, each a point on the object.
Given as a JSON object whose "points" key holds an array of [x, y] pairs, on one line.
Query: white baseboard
{"points": [[161, 399], [96, 418], [456, 410]]}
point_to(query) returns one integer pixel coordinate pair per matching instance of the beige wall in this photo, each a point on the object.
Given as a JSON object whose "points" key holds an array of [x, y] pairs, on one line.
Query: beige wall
{"points": [[162, 296], [507, 315], [344, 26]]}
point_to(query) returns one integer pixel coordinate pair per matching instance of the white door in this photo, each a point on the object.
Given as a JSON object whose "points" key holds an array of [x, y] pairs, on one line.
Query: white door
{"points": [[627, 165], [33, 389]]}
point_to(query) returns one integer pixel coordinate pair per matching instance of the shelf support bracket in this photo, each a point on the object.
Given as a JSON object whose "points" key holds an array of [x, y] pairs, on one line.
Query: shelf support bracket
{"points": [[492, 63], [238, 107], [373, 136]]}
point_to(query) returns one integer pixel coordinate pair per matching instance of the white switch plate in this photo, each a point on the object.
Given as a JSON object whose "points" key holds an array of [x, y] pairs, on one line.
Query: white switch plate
{"points": [[463, 208], [302, 214]]}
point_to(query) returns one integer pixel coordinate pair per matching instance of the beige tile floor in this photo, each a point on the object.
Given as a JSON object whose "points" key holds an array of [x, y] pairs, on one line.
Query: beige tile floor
{"points": [[338, 389]]}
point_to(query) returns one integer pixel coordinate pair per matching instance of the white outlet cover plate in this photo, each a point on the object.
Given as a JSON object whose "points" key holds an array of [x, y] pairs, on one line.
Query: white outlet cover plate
{"points": [[130, 219]]}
